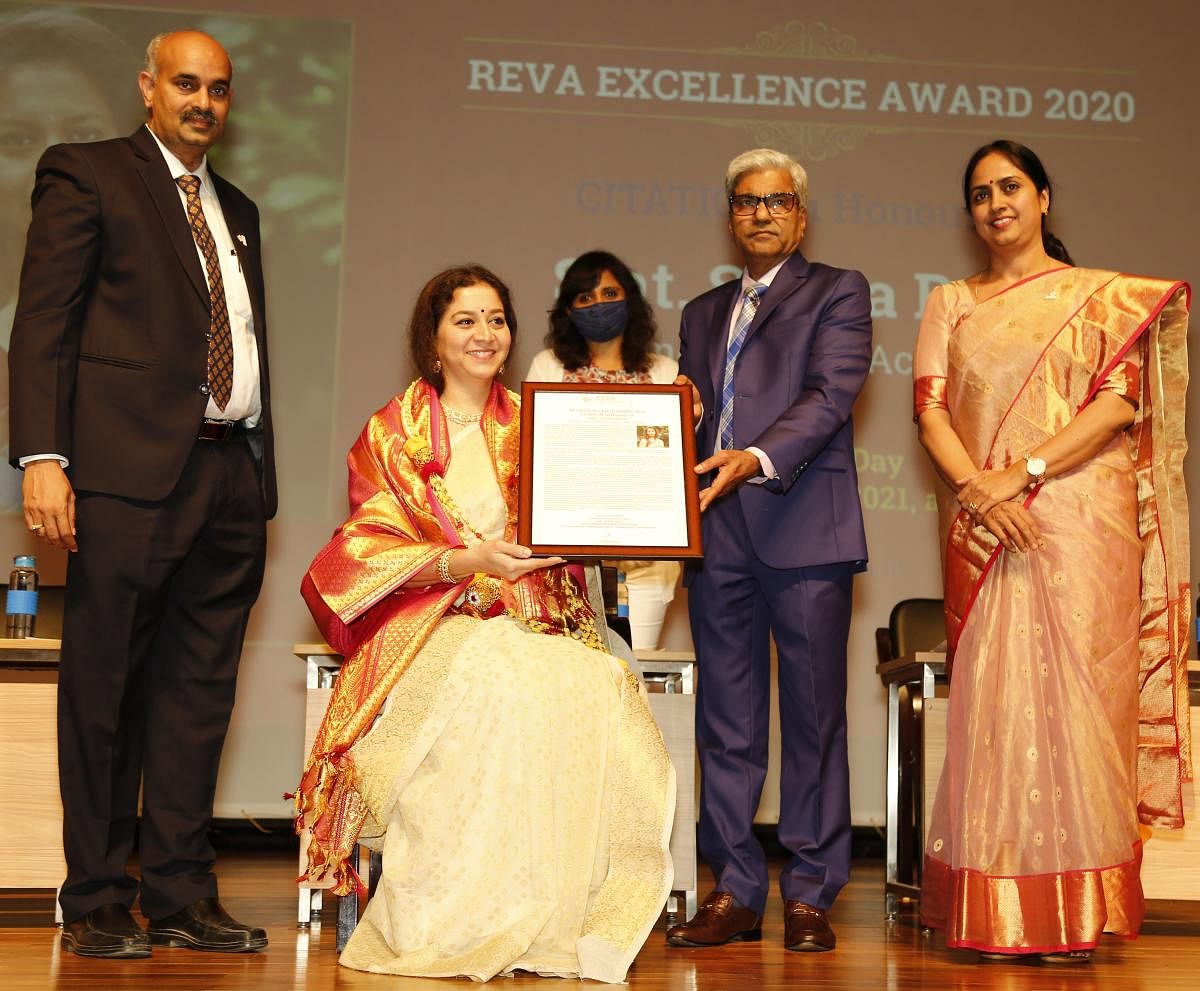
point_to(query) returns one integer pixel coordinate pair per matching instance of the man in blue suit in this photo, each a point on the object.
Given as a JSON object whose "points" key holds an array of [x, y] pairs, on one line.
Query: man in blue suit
{"points": [[776, 360]]}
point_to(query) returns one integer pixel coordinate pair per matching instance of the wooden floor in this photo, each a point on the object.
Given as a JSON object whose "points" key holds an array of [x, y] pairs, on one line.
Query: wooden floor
{"points": [[257, 888]]}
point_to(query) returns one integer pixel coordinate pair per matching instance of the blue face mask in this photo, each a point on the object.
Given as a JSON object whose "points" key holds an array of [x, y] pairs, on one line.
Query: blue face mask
{"points": [[602, 321]]}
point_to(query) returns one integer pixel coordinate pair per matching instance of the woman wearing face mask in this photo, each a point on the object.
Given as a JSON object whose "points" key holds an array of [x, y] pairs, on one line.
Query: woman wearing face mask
{"points": [[602, 330]]}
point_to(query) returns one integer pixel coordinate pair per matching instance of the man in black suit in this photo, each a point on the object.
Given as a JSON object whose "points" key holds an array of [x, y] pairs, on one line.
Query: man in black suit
{"points": [[141, 416]]}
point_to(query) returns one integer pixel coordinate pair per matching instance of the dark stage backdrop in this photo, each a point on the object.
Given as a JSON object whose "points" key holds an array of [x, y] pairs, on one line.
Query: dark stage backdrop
{"points": [[385, 141]]}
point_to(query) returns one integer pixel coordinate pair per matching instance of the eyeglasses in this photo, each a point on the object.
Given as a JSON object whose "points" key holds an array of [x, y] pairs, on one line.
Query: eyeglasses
{"points": [[777, 204]]}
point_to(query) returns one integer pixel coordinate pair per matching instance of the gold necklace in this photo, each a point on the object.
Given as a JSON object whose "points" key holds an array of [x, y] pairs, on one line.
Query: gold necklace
{"points": [[459, 417], [978, 280]]}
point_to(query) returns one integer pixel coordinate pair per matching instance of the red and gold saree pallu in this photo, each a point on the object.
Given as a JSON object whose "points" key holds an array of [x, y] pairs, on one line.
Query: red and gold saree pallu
{"points": [[1068, 711], [401, 519]]}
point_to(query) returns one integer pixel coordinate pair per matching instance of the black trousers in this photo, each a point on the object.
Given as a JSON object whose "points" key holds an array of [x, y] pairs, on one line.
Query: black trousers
{"points": [[157, 600]]}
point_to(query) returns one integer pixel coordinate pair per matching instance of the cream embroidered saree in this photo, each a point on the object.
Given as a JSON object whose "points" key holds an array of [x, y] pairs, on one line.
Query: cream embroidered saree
{"points": [[514, 778]]}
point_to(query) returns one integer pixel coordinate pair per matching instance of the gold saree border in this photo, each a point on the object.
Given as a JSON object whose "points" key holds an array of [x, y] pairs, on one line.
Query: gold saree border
{"points": [[929, 392], [995, 914]]}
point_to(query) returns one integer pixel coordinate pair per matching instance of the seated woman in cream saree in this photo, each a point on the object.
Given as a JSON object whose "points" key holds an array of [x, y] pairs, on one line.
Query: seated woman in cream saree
{"points": [[514, 778], [1068, 701]]}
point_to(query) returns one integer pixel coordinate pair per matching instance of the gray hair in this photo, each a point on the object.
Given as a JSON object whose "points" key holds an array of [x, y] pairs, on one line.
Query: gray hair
{"points": [[761, 159], [155, 44], [151, 66]]}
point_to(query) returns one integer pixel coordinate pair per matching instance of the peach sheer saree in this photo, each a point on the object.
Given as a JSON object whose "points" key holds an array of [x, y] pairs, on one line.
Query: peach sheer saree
{"points": [[1068, 719]]}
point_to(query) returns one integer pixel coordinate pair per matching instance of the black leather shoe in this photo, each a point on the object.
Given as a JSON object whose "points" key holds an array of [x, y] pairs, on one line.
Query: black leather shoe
{"points": [[107, 931], [205, 925]]}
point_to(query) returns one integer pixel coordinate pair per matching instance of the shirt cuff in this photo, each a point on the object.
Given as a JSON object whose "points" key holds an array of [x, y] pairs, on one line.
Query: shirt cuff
{"points": [[768, 468], [30, 458]]}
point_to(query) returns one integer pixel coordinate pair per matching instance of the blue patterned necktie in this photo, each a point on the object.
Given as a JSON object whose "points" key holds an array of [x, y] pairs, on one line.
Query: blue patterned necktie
{"points": [[750, 298]]}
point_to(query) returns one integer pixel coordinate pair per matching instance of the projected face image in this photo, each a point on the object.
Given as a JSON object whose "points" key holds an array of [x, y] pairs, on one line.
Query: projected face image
{"points": [[473, 338], [763, 238], [41, 104], [1006, 206]]}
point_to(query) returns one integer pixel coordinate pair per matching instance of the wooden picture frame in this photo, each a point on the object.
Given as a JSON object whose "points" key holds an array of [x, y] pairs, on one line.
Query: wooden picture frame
{"points": [[607, 471]]}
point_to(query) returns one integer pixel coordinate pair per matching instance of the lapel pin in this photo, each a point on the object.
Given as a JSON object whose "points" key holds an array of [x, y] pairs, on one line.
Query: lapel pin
{"points": [[242, 238]]}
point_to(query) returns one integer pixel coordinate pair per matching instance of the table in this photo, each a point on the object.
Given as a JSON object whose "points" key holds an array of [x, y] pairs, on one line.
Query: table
{"points": [[31, 858], [671, 683], [912, 684]]}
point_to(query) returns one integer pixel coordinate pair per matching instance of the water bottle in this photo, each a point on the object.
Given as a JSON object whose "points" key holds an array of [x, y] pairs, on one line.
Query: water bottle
{"points": [[618, 622], [616, 601], [22, 600]]}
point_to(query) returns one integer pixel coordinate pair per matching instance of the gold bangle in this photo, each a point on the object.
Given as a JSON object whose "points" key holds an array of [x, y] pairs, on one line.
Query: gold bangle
{"points": [[443, 568]]}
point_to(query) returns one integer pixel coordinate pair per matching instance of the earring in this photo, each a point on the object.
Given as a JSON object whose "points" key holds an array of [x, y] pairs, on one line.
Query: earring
{"points": [[502, 367], [437, 364]]}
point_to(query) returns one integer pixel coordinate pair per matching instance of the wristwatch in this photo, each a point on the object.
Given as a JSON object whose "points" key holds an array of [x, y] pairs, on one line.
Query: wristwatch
{"points": [[1035, 468]]}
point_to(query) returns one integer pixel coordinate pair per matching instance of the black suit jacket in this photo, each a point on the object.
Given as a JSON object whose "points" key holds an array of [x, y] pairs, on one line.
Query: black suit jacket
{"points": [[108, 348]]}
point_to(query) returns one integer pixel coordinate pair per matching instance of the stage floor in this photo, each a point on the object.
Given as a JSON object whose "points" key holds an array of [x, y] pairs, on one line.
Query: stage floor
{"points": [[257, 888]]}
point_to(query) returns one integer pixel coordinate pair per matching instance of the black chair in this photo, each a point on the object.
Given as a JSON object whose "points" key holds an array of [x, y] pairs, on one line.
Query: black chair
{"points": [[369, 865], [914, 625]]}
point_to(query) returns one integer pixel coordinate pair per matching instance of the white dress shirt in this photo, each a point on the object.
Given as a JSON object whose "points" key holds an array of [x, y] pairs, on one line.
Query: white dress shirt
{"points": [[244, 402]]}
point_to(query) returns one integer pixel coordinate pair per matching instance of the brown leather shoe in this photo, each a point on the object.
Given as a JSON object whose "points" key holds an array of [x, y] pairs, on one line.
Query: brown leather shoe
{"points": [[720, 919], [806, 928]]}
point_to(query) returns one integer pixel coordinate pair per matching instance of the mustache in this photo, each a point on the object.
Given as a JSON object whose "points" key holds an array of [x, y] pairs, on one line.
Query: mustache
{"points": [[198, 114]]}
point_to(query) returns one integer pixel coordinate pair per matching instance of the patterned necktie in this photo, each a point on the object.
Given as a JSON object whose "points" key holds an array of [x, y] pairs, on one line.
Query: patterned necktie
{"points": [[220, 339], [746, 317]]}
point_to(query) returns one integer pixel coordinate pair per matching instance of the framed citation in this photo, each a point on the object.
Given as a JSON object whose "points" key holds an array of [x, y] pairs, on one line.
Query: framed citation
{"points": [[606, 471]]}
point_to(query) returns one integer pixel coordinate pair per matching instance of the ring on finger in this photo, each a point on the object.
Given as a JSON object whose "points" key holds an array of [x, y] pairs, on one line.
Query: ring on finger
{"points": [[35, 527]]}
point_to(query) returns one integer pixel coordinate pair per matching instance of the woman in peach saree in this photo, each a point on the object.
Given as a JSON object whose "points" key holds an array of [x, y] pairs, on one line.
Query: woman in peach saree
{"points": [[1050, 401]]}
